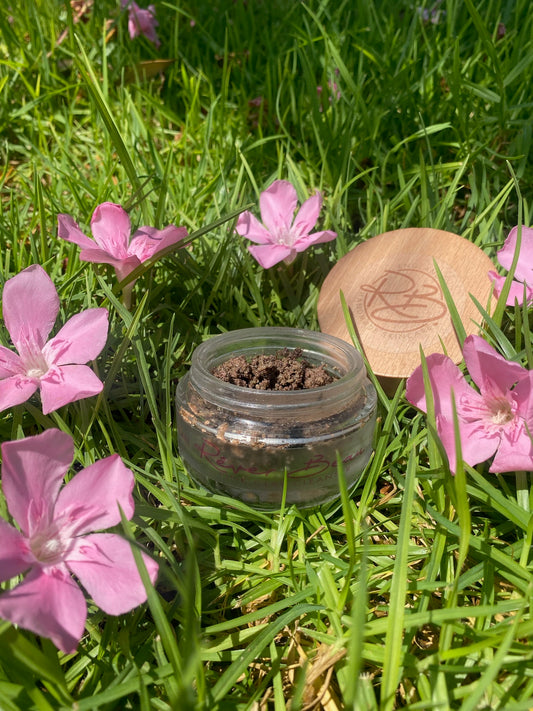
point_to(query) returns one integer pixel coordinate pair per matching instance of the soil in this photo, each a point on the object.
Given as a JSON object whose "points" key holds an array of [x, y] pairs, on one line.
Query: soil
{"points": [[285, 370]]}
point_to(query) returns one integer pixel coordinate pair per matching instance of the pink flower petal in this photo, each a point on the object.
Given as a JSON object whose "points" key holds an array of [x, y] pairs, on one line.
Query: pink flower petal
{"points": [[111, 228], [16, 390], [269, 254], [523, 396], [278, 203], [477, 444], [105, 566], [69, 230], [147, 241], [68, 383], [10, 363], [307, 216], [524, 267], [292, 256], [444, 377], [249, 226], [50, 604], [488, 368], [30, 307], [315, 238], [80, 340], [96, 255], [515, 452], [32, 472], [143, 21], [516, 292], [126, 267], [91, 499], [15, 557], [133, 24]]}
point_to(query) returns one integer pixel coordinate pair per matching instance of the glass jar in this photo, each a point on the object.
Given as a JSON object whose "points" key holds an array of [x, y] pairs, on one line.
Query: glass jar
{"points": [[245, 443]]}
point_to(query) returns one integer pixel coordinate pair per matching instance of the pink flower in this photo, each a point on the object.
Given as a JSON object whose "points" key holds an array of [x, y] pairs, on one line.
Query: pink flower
{"points": [[524, 267], [142, 22], [111, 228], [496, 420], [56, 539], [30, 307], [333, 92], [432, 14], [281, 238]]}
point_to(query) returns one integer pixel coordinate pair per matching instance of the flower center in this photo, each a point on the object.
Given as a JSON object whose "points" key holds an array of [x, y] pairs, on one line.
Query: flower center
{"points": [[32, 357], [48, 546], [37, 372], [501, 411], [494, 411], [286, 238], [35, 363]]}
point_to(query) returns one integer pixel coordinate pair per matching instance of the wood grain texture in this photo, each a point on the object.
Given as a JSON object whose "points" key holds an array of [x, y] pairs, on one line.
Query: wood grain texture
{"points": [[395, 300]]}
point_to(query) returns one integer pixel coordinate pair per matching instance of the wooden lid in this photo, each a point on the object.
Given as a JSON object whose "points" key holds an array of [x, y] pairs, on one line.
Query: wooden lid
{"points": [[395, 300]]}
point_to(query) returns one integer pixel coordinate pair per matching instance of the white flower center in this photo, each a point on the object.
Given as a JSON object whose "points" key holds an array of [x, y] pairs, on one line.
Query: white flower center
{"points": [[494, 412], [37, 372], [32, 358], [286, 238], [48, 546], [501, 411]]}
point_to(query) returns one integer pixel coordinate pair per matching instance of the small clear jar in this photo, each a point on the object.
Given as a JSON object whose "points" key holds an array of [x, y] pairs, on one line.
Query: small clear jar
{"points": [[245, 443]]}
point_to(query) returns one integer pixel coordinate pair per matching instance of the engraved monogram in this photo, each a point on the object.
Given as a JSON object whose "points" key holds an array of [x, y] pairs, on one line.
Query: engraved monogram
{"points": [[404, 300]]}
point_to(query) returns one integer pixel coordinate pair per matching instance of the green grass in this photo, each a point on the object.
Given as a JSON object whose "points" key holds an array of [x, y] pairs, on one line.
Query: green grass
{"points": [[416, 591]]}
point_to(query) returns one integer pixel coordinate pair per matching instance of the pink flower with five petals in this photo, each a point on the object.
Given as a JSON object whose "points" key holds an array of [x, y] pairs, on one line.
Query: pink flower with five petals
{"points": [[497, 420], [142, 21], [524, 266], [56, 539], [111, 228], [30, 308], [280, 238]]}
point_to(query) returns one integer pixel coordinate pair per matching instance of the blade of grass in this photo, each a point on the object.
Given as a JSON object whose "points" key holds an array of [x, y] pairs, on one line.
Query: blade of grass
{"points": [[393, 649], [93, 86], [493, 669], [164, 628], [254, 649], [460, 331]]}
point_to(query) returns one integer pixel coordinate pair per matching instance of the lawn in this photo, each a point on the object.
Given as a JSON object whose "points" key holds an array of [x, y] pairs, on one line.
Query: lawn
{"points": [[414, 590]]}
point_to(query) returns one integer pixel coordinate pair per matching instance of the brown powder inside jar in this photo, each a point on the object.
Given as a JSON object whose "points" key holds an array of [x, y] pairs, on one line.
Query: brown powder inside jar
{"points": [[284, 370]]}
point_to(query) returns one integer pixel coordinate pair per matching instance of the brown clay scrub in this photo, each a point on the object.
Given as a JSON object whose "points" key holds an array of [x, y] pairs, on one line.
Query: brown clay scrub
{"points": [[279, 436], [284, 370]]}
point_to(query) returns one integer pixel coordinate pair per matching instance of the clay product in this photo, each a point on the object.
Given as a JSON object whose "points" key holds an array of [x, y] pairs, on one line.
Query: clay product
{"points": [[265, 408]]}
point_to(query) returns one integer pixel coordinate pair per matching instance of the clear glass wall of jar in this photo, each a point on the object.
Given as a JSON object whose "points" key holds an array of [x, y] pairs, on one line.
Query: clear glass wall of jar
{"points": [[246, 443]]}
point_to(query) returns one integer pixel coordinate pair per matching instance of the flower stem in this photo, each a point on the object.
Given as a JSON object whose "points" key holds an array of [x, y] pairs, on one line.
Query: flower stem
{"points": [[127, 292]]}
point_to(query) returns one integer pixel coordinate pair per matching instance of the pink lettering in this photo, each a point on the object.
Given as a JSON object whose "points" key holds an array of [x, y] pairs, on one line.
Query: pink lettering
{"points": [[211, 452], [314, 466]]}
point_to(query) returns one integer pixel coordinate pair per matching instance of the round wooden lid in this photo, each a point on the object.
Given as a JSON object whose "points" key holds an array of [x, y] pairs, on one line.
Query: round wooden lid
{"points": [[394, 297]]}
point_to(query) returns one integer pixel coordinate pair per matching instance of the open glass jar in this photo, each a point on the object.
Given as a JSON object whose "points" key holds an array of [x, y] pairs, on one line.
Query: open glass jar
{"points": [[244, 443]]}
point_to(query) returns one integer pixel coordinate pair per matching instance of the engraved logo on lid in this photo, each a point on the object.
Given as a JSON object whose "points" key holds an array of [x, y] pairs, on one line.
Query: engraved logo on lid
{"points": [[404, 300]]}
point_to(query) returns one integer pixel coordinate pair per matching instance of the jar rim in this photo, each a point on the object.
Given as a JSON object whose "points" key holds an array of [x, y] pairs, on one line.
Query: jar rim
{"points": [[315, 345]]}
